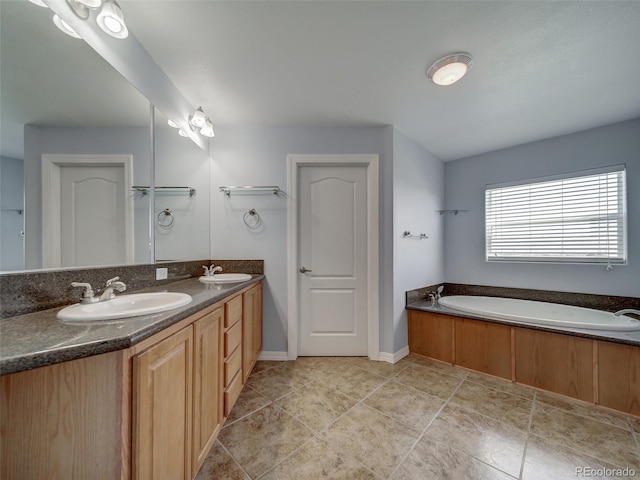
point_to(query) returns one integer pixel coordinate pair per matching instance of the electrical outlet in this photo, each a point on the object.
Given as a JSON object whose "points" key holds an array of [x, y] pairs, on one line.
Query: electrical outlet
{"points": [[162, 273]]}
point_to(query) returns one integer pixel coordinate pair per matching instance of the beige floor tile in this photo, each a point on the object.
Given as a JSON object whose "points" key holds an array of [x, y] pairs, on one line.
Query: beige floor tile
{"points": [[501, 384], [405, 404], [441, 367], [249, 401], [635, 423], [262, 365], [352, 381], [375, 440], [314, 461], [429, 381], [434, 460], [263, 439], [316, 405], [383, 369], [546, 460], [510, 409], [220, 466], [605, 442], [276, 382], [583, 409], [484, 438]]}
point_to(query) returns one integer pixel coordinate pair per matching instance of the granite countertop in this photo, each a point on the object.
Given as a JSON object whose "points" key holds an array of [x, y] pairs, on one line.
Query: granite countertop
{"points": [[40, 339], [629, 338]]}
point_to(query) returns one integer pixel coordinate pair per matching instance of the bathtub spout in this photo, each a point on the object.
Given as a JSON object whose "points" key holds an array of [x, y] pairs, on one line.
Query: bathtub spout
{"points": [[627, 310]]}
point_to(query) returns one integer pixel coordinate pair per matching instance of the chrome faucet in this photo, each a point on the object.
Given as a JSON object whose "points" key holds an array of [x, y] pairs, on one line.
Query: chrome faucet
{"points": [[435, 296], [209, 271], [112, 286], [87, 294], [627, 310]]}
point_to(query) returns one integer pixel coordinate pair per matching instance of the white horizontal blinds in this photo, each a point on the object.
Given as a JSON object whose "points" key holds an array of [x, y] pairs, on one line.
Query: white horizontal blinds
{"points": [[578, 219]]}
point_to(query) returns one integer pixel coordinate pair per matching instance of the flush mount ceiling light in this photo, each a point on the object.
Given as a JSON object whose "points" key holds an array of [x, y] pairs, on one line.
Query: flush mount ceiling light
{"points": [[449, 69], [111, 20], [64, 26]]}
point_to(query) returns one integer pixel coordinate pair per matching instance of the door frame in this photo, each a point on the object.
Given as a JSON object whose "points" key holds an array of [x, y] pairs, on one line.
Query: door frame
{"points": [[294, 162], [51, 218]]}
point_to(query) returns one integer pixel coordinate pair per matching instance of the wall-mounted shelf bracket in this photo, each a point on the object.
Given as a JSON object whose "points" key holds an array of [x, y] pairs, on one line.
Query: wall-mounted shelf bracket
{"points": [[455, 212], [165, 190], [275, 190]]}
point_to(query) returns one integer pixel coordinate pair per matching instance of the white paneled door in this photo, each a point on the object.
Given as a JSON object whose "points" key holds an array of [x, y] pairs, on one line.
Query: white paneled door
{"points": [[332, 251]]}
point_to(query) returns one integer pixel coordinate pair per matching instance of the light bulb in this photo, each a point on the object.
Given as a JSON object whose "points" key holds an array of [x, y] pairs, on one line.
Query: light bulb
{"points": [[207, 130], [450, 73], [172, 123], [39, 3], [65, 27], [198, 119], [182, 133], [111, 20]]}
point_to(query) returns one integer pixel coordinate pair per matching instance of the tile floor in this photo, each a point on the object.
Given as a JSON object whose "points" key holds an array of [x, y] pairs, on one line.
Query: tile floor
{"points": [[351, 418]]}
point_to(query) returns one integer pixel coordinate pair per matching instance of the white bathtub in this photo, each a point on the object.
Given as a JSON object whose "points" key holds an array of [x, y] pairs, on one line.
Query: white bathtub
{"points": [[540, 313]]}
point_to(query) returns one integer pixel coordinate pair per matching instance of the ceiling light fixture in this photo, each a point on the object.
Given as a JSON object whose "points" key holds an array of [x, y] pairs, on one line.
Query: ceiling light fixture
{"points": [[449, 69], [65, 27], [111, 20]]}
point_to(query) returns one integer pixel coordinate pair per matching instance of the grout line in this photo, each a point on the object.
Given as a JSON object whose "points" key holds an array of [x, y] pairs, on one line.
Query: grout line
{"points": [[234, 459], [633, 433], [526, 442]]}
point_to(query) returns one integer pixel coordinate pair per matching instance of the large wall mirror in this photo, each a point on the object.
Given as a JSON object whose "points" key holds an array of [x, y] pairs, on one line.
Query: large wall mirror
{"points": [[74, 136]]}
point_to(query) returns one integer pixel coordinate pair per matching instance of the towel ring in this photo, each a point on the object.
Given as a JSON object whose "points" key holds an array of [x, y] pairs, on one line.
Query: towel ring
{"points": [[167, 213], [252, 219]]}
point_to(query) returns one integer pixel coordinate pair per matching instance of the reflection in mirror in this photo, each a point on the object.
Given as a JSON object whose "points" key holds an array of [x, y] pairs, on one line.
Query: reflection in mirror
{"points": [[75, 136], [182, 201]]}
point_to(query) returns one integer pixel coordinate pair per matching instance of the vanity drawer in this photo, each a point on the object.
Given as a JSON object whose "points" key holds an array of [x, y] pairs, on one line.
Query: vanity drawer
{"points": [[233, 311], [232, 393], [232, 366], [232, 339]]}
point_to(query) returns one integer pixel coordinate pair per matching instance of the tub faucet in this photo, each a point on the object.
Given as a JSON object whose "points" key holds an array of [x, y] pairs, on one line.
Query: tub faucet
{"points": [[627, 310], [112, 286], [435, 296]]}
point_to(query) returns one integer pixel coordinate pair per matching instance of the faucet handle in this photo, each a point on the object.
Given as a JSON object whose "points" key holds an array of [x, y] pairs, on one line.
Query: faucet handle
{"points": [[111, 280], [87, 294]]}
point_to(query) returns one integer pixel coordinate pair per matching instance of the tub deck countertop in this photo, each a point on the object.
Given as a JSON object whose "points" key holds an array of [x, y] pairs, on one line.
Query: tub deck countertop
{"points": [[40, 339], [629, 338]]}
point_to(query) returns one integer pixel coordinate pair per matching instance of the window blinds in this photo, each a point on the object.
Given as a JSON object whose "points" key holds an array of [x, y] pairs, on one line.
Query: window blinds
{"points": [[575, 218]]}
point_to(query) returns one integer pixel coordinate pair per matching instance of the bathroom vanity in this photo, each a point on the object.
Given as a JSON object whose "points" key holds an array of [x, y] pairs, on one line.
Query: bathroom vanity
{"points": [[150, 407]]}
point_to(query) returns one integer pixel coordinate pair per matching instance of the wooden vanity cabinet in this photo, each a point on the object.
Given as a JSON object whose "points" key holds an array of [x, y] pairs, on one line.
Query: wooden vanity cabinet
{"points": [[252, 329], [152, 411]]}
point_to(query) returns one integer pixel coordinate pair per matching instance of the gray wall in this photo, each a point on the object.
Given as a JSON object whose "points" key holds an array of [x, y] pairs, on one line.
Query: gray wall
{"points": [[418, 191], [257, 156], [39, 141], [11, 214], [465, 181]]}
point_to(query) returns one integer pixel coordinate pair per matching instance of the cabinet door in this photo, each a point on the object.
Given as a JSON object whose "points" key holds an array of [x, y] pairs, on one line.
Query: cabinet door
{"points": [[619, 376], [162, 385], [252, 329], [483, 346], [431, 335], [208, 362]]}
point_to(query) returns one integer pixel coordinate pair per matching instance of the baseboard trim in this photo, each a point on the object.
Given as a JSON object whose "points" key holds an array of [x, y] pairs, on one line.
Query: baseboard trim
{"points": [[394, 357], [274, 356]]}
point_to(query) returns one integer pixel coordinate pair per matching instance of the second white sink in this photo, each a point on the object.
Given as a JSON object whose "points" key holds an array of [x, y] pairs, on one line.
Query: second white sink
{"points": [[133, 305], [225, 278]]}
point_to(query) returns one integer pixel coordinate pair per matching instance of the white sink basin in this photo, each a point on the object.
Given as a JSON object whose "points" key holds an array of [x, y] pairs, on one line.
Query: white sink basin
{"points": [[133, 305], [226, 278]]}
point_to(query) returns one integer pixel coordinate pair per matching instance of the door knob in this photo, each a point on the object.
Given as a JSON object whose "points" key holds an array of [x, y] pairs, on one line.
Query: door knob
{"points": [[304, 270]]}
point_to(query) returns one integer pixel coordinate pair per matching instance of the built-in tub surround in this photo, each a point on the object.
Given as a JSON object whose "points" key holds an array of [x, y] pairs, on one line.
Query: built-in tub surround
{"points": [[540, 313], [28, 292]]}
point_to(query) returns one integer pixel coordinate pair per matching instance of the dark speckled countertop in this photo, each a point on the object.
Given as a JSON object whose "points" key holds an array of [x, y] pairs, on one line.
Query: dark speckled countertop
{"points": [[40, 339], [629, 338]]}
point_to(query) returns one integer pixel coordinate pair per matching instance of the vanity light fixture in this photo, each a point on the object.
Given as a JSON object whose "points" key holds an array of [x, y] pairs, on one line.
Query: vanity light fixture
{"points": [[198, 119], [449, 69], [64, 26], [207, 130], [111, 20]]}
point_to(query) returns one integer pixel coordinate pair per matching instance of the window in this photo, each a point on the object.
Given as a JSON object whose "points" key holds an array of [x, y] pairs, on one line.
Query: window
{"points": [[575, 218]]}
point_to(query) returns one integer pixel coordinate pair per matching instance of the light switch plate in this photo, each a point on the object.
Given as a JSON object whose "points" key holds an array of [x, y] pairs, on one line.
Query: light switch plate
{"points": [[162, 273]]}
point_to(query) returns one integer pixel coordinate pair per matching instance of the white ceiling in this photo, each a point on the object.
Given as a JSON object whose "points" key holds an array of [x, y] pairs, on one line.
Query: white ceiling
{"points": [[541, 69]]}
